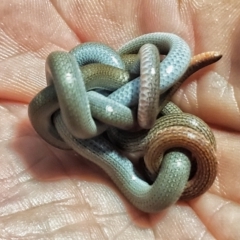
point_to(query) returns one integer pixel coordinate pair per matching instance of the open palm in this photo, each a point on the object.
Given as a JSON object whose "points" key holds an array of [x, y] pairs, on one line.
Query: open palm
{"points": [[47, 193]]}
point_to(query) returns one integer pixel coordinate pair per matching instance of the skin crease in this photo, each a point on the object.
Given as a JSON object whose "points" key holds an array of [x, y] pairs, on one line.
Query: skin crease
{"points": [[48, 193]]}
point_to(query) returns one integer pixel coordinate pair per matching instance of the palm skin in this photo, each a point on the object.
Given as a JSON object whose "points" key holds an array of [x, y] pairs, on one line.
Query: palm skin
{"points": [[46, 193]]}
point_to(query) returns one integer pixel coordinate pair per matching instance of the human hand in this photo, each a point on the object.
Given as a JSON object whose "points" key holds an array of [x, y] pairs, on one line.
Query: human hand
{"points": [[53, 194]]}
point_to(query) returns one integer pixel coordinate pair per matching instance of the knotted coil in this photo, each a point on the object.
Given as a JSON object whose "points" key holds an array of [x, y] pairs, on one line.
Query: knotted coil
{"points": [[94, 89]]}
